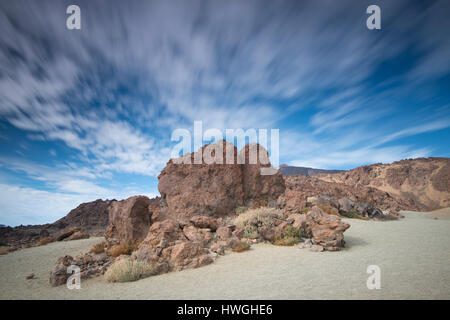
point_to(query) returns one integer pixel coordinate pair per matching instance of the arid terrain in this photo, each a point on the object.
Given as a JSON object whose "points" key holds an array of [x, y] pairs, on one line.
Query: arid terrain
{"points": [[213, 221], [270, 272]]}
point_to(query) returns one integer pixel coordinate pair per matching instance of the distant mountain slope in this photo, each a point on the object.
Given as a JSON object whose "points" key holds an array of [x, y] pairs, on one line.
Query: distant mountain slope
{"points": [[426, 181], [291, 170], [93, 217]]}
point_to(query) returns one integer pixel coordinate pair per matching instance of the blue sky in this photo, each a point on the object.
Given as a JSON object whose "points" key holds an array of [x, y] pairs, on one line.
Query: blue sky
{"points": [[88, 114]]}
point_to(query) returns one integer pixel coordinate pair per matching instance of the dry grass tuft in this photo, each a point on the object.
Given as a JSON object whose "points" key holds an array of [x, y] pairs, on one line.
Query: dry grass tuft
{"points": [[252, 219], [127, 270], [4, 251], [329, 210], [98, 248], [126, 248]]}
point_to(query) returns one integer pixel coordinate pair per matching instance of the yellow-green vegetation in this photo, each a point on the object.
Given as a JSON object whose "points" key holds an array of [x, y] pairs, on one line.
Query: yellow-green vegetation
{"points": [[125, 248], [305, 210], [126, 270], [240, 210], [45, 241], [98, 248], [252, 219], [241, 247], [290, 236], [329, 209], [353, 214]]}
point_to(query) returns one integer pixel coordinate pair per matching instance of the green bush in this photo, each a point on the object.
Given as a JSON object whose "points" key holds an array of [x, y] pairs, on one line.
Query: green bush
{"points": [[290, 236], [353, 214], [127, 270], [240, 210], [305, 210]]}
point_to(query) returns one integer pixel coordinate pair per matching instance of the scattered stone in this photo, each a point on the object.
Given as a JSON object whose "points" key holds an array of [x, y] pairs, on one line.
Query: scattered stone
{"points": [[31, 276], [317, 248]]}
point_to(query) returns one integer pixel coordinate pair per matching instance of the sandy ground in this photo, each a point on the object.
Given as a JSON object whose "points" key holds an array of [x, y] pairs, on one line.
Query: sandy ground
{"points": [[413, 255]]}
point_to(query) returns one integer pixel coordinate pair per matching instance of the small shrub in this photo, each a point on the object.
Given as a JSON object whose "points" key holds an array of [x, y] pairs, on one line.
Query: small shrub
{"points": [[290, 236], [45, 241], [127, 270], [4, 251], [353, 214], [252, 219], [241, 246], [305, 210], [98, 248], [251, 233], [126, 248], [240, 210], [329, 209]]}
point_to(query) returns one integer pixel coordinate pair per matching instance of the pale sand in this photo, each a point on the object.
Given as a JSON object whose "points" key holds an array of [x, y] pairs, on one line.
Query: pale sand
{"points": [[413, 254]]}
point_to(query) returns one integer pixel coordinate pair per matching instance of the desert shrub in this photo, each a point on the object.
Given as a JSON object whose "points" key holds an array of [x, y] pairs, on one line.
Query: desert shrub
{"points": [[251, 232], [353, 214], [98, 248], [45, 241], [290, 236], [252, 219], [241, 246], [305, 210], [240, 210], [125, 248], [329, 209], [127, 270]]}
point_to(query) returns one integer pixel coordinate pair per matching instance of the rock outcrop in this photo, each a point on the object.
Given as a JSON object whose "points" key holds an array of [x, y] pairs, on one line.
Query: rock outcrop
{"points": [[366, 201], [129, 219], [422, 184], [91, 265], [325, 230], [213, 187]]}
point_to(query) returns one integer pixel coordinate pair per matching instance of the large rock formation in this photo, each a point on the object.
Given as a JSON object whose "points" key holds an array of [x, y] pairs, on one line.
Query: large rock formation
{"points": [[422, 184], [213, 187], [130, 219]]}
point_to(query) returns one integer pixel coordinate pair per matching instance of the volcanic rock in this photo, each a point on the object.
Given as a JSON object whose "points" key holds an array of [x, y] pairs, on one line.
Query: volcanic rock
{"points": [[213, 187], [129, 219]]}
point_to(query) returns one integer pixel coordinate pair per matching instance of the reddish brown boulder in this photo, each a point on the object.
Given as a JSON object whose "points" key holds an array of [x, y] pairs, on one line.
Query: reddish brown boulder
{"points": [[260, 187], [213, 187], [66, 233], [223, 233], [184, 253], [325, 230], [130, 219], [59, 275], [78, 235], [205, 222], [206, 189], [192, 234], [90, 266]]}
